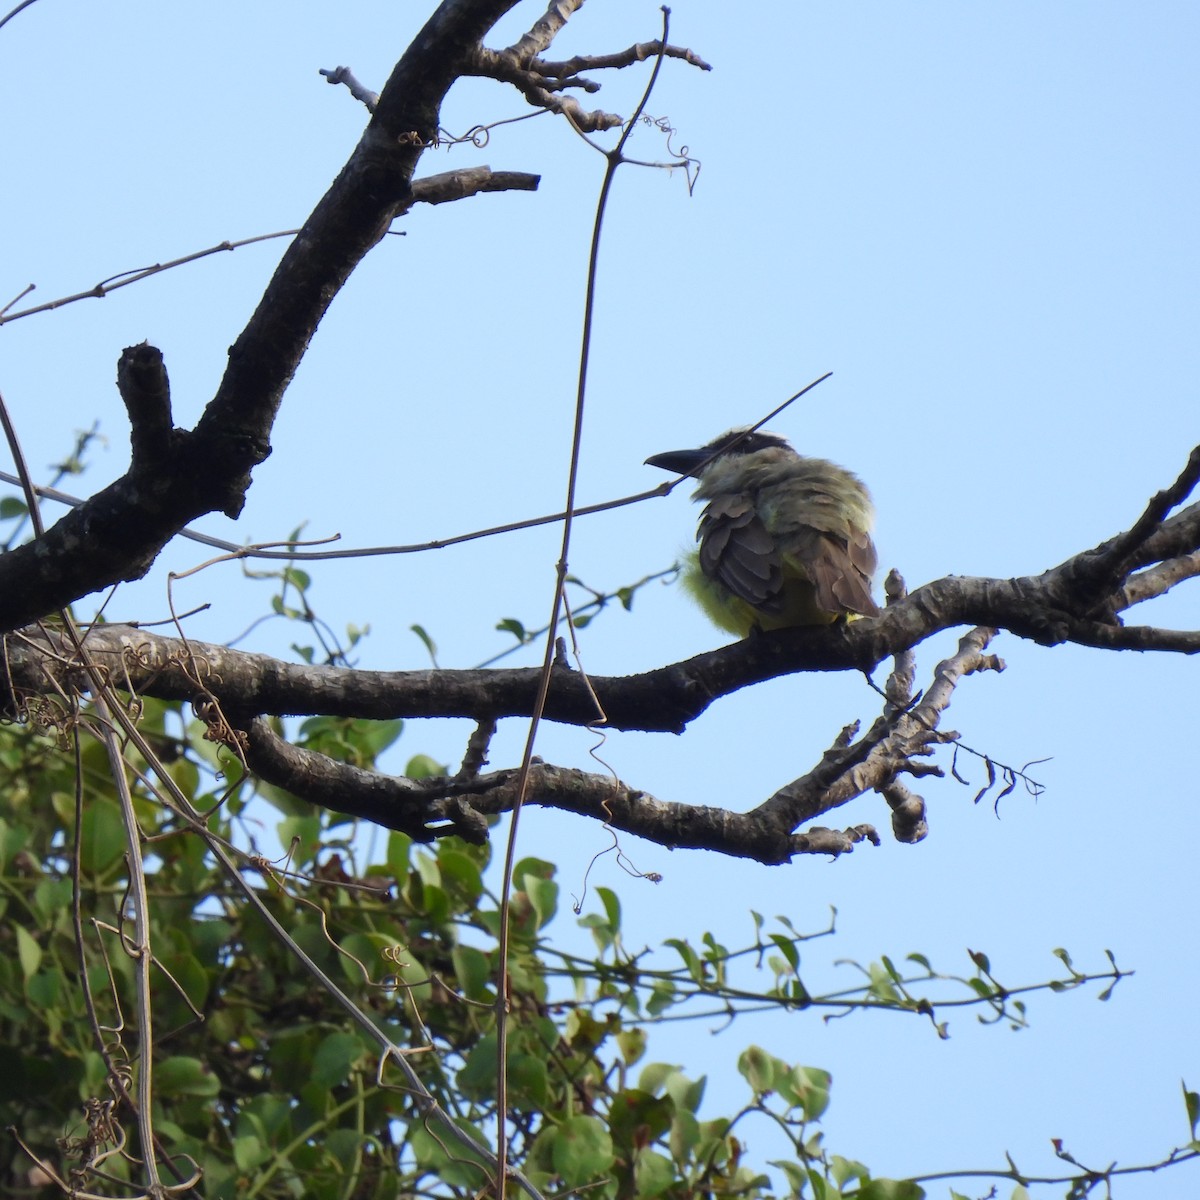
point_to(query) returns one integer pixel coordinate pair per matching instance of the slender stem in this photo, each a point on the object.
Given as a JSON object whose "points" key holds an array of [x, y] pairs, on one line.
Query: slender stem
{"points": [[613, 160], [137, 947]]}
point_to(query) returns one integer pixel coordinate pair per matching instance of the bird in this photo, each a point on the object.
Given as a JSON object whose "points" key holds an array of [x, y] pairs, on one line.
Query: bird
{"points": [[784, 540]]}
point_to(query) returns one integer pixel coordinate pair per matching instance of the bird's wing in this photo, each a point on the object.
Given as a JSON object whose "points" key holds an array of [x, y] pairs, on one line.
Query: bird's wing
{"points": [[737, 551], [839, 568]]}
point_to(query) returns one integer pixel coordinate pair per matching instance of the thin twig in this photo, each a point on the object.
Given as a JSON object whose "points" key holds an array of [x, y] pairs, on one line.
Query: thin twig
{"points": [[613, 162], [137, 947], [253, 551]]}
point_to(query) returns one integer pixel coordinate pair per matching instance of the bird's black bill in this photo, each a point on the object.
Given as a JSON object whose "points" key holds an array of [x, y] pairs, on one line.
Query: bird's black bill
{"points": [[682, 462]]}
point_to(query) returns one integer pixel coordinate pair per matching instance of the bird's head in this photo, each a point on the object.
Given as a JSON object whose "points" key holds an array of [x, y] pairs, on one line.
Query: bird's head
{"points": [[737, 443]]}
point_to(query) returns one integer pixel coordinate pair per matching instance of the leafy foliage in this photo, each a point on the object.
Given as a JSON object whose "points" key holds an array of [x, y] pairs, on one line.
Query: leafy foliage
{"points": [[259, 1079]]}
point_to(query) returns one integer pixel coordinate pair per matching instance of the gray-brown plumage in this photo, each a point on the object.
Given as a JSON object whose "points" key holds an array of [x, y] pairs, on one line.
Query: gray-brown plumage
{"points": [[784, 540]]}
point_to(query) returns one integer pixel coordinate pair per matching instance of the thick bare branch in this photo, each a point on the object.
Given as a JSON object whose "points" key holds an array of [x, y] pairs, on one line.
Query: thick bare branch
{"points": [[664, 699], [411, 806], [678, 826], [117, 534], [1096, 576], [435, 807], [470, 181], [142, 382], [348, 221]]}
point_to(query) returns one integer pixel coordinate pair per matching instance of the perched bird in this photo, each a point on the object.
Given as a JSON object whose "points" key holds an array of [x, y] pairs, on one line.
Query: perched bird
{"points": [[784, 540]]}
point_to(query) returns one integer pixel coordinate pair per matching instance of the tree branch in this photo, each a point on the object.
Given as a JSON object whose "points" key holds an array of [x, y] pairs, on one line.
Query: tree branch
{"points": [[666, 699], [470, 181], [117, 534], [416, 807], [1098, 575], [541, 81]]}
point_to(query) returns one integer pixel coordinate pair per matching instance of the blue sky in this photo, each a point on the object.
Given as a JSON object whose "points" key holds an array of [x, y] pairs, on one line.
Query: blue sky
{"points": [[980, 218]]}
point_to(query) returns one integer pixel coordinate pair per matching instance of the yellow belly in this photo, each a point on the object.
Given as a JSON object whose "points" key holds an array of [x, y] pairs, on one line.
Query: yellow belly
{"points": [[733, 614]]}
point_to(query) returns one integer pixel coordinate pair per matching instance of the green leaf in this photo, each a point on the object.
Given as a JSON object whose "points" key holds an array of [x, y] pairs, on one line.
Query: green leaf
{"points": [[653, 1174], [473, 972], [399, 849], [758, 1069], [513, 626], [686, 1093], [103, 837], [188, 974], [535, 866], [449, 1159], [691, 960], [984, 963], [543, 895], [584, 1031], [663, 995], [335, 1059], [345, 1145], [845, 1169], [477, 1079], [460, 875], [612, 907], [28, 951], [45, 989], [528, 1081], [306, 833], [654, 1076], [632, 1044], [371, 959], [11, 507], [374, 737], [787, 948], [428, 642], [1191, 1101], [582, 1150], [882, 985], [798, 1179], [183, 1076], [806, 1088], [890, 1189], [249, 1152], [685, 1136], [798, 994], [13, 839], [638, 1119], [601, 932], [421, 766]]}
